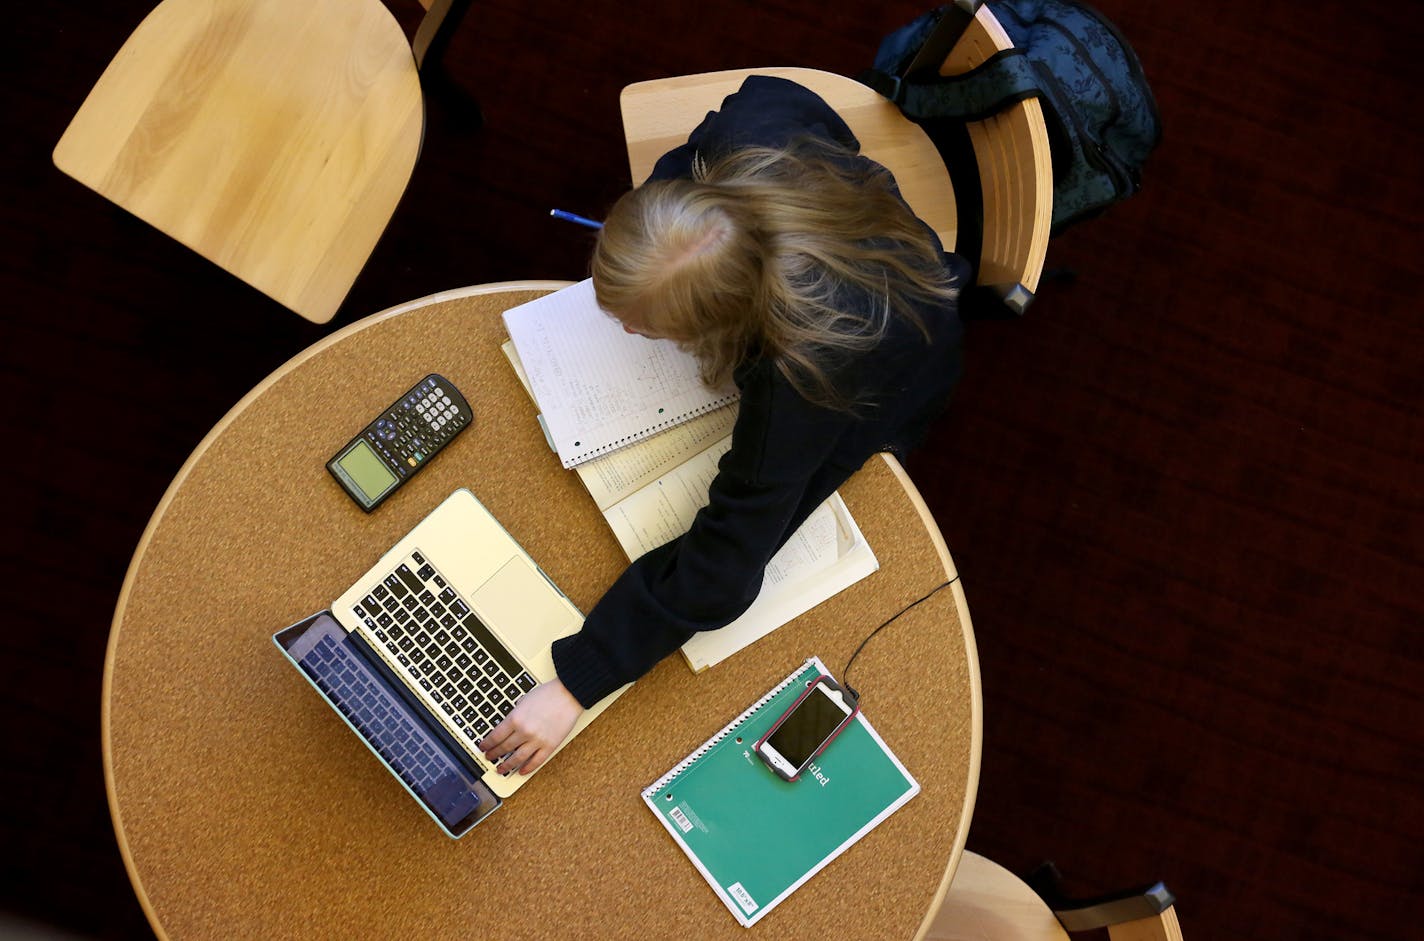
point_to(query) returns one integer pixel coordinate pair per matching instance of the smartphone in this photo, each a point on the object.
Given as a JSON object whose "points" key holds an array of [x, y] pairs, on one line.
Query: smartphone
{"points": [[805, 729]]}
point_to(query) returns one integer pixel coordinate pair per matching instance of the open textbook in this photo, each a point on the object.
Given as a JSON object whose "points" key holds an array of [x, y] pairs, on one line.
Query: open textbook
{"points": [[826, 554], [650, 490]]}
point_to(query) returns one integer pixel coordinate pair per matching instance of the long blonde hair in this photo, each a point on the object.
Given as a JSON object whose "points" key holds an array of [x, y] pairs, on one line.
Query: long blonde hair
{"points": [[770, 252]]}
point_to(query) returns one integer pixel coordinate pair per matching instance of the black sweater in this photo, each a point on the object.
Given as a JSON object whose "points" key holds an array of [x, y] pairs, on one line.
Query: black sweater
{"points": [[787, 456]]}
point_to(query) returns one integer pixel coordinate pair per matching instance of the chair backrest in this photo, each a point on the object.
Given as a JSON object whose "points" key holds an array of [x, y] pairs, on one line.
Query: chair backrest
{"points": [[986, 902], [658, 115], [273, 138], [1010, 152], [1015, 175]]}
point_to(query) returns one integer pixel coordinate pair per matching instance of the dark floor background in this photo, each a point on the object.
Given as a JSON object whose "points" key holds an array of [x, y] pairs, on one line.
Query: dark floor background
{"points": [[1184, 493]]}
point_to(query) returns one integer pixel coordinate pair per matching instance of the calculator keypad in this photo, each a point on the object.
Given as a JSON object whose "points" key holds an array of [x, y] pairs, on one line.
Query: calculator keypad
{"points": [[417, 426]]}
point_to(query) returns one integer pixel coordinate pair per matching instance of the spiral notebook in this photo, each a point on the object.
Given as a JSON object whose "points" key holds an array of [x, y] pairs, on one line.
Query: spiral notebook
{"points": [[598, 386], [756, 838]]}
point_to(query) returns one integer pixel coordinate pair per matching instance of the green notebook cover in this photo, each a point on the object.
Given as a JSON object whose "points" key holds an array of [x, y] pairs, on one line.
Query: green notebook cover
{"points": [[755, 837]]}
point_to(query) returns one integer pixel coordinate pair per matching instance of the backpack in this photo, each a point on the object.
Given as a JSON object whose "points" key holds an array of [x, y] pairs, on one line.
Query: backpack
{"points": [[1102, 119]]}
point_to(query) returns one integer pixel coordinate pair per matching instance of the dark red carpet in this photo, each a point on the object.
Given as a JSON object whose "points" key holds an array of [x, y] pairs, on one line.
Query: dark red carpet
{"points": [[1184, 492]]}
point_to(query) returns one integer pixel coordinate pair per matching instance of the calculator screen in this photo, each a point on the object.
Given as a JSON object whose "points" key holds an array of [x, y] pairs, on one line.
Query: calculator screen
{"points": [[364, 468]]}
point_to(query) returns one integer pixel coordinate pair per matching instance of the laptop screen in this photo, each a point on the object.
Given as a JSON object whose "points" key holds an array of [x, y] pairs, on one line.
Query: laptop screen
{"points": [[353, 681]]}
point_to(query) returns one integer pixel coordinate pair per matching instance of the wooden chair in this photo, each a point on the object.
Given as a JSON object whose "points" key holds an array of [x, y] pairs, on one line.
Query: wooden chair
{"points": [[986, 902], [1013, 182], [1002, 166], [273, 138], [1015, 172], [658, 115]]}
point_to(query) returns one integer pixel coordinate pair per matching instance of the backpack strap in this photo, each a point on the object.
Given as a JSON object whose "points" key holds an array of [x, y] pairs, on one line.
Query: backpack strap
{"points": [[918, 49], [1003, 79], [907, 65]]}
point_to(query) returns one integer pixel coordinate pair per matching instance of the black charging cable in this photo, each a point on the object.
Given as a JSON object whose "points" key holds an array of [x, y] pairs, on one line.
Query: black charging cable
{"points": [[845, 674]]}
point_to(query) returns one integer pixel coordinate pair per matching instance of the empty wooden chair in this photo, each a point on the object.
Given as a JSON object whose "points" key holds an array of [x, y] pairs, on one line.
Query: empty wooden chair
{"points": [[273, 138]]}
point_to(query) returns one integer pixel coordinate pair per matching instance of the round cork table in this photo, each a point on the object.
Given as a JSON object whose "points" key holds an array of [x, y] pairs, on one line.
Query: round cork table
{"points": [[245, 808]]}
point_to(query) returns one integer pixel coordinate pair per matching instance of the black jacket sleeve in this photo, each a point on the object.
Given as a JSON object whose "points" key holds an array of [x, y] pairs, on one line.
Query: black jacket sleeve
{"points": [[775, 474]]}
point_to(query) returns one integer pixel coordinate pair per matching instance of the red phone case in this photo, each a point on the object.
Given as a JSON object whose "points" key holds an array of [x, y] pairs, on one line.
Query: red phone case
{"points": [[820, 678]]}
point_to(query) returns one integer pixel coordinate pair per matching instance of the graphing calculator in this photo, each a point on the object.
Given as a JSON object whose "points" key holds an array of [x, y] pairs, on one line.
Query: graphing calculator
{"points": [[400, 441]]}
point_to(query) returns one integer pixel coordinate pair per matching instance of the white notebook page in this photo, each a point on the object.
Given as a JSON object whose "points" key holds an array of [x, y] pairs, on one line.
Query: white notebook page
{"points": [[598, 386]]}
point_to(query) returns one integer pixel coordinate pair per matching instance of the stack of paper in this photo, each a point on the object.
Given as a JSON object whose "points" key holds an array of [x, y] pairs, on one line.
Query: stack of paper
{"points": [[650, 474]]}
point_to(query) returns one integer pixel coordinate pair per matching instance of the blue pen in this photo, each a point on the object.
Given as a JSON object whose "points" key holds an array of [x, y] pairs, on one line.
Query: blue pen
{"points": [[570, 217]]}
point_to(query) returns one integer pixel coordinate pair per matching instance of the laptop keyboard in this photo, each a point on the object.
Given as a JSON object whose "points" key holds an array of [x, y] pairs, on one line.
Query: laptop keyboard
{"points": [[382, 719], [444, 647]]}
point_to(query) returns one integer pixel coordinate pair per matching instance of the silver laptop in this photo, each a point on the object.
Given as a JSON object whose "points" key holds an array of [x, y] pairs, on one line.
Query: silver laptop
{"points": [[440, 639]]}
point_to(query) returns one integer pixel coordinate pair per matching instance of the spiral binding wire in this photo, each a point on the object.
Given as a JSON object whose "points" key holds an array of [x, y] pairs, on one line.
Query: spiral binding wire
{"points": [[652, 790], [589, 453]]}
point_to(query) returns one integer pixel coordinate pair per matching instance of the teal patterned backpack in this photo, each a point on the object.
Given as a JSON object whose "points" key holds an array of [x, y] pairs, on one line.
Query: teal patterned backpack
{"points": [[1101, 116]]}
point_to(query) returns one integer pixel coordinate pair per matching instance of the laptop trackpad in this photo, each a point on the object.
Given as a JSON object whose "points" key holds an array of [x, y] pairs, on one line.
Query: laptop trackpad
{"points": [[526, 611]]}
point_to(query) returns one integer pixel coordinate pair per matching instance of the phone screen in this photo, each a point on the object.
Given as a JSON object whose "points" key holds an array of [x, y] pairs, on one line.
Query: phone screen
{"points": [[805, 729]]}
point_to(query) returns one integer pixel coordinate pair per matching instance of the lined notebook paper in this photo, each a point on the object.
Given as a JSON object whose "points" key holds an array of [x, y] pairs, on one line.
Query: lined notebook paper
{"points": [[754, 837], [598, 386]]}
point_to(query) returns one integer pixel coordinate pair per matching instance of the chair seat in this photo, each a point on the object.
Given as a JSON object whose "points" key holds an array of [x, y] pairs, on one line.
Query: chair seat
{"points": [[987, 902], [658, 115], [273, 138]]}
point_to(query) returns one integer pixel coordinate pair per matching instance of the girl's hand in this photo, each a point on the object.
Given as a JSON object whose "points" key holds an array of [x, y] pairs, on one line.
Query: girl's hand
{"points": [[540, 722]]}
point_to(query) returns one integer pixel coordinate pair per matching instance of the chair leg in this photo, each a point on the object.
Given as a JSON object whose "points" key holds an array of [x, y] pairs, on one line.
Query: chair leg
{"points": [[432, 39], [451, 98], [992, 302], [1143, 908], [1163, 927], [432, 36], [1016, 297]]}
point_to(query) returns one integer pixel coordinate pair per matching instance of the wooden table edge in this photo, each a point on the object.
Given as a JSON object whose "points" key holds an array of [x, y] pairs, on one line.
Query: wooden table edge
{"points": [[976, 705]]}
